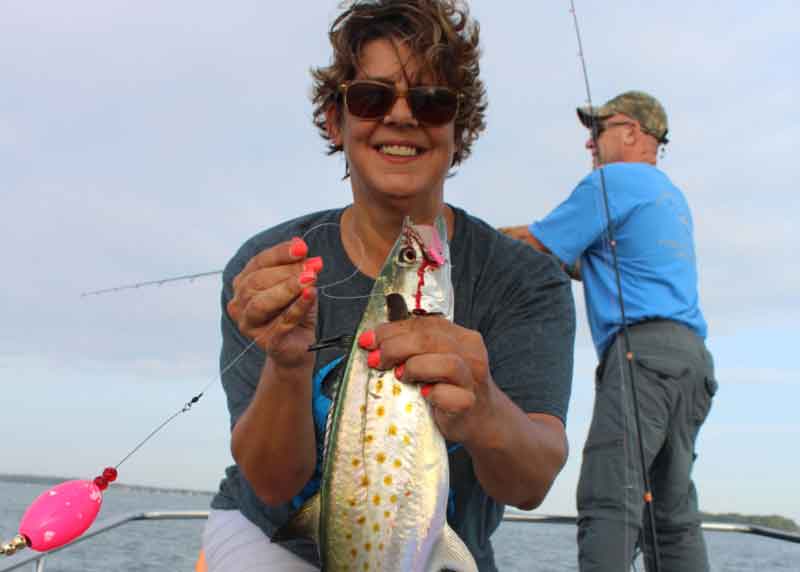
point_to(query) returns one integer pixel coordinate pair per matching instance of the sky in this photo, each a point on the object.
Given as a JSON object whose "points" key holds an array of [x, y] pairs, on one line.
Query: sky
{"points": [[142, 140]]}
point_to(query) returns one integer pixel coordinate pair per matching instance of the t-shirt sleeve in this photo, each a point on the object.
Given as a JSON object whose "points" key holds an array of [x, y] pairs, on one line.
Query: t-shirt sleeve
{"points": [[530, 332], [574, 224]]}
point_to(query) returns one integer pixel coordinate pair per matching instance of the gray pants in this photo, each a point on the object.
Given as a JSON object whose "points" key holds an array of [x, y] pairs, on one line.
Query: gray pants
{"points": [[674, 376]]}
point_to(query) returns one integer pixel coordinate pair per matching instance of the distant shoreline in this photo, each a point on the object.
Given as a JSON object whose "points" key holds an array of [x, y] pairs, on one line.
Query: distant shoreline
{"points": [[47, 480], [770, 521]]}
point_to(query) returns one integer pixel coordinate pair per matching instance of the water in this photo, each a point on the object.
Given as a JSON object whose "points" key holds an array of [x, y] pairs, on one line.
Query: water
{"points": [[158, 546]]}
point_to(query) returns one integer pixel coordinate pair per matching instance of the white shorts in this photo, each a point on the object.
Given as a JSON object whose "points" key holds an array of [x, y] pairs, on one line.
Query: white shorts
{"points": [[232, 543]]}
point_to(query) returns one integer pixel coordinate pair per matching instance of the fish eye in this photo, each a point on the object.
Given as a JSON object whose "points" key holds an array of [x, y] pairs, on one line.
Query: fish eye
{"points": [[407, 255]]}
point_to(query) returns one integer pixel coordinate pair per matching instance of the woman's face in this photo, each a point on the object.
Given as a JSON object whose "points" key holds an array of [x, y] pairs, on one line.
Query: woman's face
{"points": [[394, 158]]}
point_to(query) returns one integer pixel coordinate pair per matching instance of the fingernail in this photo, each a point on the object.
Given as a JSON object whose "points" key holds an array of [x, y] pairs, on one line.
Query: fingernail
{"points": [[426, 389], [307, 293], [299, 247], [313, 264], [398, 371], [367, 339], [307, 277], [374, 358]]}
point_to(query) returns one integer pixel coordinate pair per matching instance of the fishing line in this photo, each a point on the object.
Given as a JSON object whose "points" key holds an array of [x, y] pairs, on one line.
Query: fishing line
{"points": [[188, 405], [628, 356], [323, 289]]}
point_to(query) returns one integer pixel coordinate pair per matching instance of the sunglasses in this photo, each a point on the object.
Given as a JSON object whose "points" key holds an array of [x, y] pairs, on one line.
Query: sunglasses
{"points": [[602, 126], [430, 105]]}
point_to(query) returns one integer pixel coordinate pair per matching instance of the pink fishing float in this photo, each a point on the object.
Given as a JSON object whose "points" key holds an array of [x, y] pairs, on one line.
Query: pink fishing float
{"points": [[61, 514]]}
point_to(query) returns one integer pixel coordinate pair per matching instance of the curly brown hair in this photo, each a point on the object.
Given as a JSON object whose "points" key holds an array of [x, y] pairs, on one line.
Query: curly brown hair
{"points": [[439, 31]]}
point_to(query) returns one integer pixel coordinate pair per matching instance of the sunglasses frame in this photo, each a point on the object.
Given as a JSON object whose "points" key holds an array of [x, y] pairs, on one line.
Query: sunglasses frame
{"points": [[398, 93]]}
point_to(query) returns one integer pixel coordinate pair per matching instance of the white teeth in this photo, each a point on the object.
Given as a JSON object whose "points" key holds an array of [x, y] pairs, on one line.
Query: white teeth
{"points": [[399, 150]]}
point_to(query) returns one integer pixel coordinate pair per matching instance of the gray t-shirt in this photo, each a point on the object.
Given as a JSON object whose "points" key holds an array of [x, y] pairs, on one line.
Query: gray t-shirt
{"points": [[518, 299]]}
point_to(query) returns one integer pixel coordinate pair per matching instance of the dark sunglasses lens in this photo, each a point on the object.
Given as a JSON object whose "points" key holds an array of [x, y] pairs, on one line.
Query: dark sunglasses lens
{"points": [[369, 100], [433, 105]]}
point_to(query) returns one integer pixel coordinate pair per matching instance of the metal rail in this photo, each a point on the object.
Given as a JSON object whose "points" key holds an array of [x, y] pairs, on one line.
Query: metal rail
{"points": [[712, 526], [38, 559]]}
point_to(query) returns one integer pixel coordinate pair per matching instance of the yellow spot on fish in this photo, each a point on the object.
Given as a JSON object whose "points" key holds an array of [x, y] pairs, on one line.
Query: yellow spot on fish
{"points": [[380, 457], [406, 440], [361, 520], [398, 463], [396, 390], [386, 514], [363, 409], [365, 481], [393, 499], [356, 462], [387, 480], [368, 546], [380, 546], [392, 430], [376, 527], [353, 552], [351, 501], [348, 536], [379, 385], [409, 407], [381, 411], [376, 500], [369, 438]]}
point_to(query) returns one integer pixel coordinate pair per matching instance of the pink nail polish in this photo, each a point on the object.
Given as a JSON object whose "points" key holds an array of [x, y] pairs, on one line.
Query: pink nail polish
{"points": [[307, 277], [367, 339], [398, 371], [374, 358], [313, 264], [299, 247], [307, 293], [426, 389]]}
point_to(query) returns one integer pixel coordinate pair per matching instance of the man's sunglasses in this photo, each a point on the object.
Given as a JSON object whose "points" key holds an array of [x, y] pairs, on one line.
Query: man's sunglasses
{"points": [[603, 126], [430, 105]]}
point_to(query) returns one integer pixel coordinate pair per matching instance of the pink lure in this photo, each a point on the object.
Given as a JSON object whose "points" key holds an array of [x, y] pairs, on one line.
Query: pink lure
{"points": [[61, 514]]}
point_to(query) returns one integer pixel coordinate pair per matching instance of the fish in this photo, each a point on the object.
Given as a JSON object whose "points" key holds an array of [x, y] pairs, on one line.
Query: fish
{"points": [[382, 503]]}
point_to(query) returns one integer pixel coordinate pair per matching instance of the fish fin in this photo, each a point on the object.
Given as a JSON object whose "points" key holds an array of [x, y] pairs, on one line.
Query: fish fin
{"points": [[451, 554], [303, 524]]}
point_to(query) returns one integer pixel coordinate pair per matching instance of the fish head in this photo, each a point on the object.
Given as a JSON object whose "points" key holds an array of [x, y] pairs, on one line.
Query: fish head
{"points": [[418, 269]]}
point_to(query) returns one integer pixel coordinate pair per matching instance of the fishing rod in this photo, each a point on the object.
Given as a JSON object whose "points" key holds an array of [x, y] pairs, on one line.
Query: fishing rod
{"points": [[160, 282], [629, 355]]}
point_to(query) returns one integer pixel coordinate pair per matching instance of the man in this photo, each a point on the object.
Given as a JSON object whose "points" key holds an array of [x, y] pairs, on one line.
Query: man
{"points": [[650, 228]]}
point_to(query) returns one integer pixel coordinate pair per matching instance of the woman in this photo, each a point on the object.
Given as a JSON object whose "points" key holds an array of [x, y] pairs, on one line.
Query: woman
{"points": [[403, 101]]}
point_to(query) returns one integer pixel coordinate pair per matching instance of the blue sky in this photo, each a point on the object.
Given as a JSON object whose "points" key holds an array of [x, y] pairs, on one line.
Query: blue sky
{"points": [[144, 140]]}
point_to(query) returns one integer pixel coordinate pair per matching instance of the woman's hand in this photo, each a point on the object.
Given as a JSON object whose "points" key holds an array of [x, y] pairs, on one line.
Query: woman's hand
{"points": [[450, 361], [275, 301]]}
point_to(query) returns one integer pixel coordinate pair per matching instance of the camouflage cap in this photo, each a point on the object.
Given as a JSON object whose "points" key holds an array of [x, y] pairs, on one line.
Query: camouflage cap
{"points": [[637, 105]]}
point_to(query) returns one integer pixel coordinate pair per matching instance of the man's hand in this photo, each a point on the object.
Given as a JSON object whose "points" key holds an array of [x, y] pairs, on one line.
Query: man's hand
{"points": [[522, 233], [275, 302]]}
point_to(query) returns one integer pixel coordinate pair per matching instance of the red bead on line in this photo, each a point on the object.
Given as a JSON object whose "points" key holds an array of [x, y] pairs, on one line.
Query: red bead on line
{"points": [[110, 474], [101, 483]]}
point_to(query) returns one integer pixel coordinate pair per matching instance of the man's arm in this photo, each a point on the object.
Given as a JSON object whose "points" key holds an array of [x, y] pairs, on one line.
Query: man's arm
{"points": [[523, 234]]}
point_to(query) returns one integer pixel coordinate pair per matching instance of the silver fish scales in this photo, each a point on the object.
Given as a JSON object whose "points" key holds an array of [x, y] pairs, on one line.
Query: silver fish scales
{"points": [[382, 504]]}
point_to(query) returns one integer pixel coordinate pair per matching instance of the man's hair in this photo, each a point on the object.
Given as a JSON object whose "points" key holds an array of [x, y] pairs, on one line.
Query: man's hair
{"points": [[438, 32]]}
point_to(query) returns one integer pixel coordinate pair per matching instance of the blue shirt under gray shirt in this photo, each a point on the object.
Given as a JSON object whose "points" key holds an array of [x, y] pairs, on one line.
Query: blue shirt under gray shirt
{"points": [[655, 248]]}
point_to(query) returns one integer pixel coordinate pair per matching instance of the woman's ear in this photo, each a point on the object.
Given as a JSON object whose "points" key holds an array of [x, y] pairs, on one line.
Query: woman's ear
{"points": [[333, 126]]}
